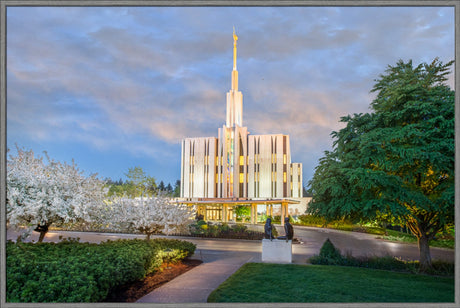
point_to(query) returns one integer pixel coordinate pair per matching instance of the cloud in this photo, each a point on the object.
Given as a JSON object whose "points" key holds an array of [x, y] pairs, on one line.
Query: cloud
{"points": [[141, 79]]}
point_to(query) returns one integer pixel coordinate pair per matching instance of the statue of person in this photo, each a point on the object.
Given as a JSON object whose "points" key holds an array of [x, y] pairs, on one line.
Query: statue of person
{"points": [[268, 229], [288, 229]]}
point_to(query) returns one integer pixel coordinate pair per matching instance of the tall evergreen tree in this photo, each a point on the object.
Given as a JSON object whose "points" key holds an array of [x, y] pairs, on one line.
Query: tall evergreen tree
{"points": [[161, 186], [398, 160], [177, 189]]}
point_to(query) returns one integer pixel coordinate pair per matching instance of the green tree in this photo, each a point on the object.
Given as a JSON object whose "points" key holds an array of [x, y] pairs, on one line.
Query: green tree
{"points": [[243, 212], [115, 189], [151, 186], [177, 189], [161, 186], [397, 161], [136, 175], [137, 183], [305, 192]]}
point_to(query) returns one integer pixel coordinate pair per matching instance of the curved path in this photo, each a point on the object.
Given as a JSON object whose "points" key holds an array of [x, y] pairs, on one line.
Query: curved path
{"points": [[363, 244]]}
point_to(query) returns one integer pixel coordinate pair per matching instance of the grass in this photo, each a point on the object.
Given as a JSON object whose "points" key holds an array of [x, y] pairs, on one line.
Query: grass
{"points": [[330, 255], [442, 241], [261, 282], [397, 236]]}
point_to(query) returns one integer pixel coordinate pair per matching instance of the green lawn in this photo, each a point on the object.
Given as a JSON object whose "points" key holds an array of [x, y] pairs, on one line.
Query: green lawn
{"points": [[259, 282]]}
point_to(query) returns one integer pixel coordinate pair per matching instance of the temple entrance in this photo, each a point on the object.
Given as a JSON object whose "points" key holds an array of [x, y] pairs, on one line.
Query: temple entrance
{"points": [[213, 213], [223, 210]]}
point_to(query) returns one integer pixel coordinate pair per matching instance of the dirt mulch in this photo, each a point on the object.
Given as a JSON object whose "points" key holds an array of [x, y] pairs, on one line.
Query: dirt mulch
{"points": [[130, 293]]}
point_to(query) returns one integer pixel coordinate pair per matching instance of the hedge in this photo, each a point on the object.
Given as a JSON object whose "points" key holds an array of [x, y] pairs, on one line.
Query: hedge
{"points": [[70, 271]]}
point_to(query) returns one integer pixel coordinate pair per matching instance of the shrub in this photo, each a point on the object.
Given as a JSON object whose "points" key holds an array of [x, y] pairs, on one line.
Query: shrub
{"points": [[237, 231], [239, 228], [312, 220], [70, 271], [330, 255], [224, 227], [276, 219]]}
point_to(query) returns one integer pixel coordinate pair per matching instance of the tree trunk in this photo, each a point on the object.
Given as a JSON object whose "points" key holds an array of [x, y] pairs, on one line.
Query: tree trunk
{"points": [[43, 229], [424, 228], [425, 256], [42, 236]]}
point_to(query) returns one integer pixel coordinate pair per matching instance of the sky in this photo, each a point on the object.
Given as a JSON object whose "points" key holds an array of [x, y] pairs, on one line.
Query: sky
{"points": [[118, 87]]}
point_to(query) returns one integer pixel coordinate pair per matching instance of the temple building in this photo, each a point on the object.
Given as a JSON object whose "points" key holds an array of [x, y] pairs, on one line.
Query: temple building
{"points": [[237, 168]]}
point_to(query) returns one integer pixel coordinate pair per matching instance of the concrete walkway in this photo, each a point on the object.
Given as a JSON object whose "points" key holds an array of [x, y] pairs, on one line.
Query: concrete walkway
{"points": [[195, 285]]}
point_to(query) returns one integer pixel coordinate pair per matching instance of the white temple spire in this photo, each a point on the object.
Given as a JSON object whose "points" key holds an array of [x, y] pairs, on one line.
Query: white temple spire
{"points": [[234, 71], [235, 38], [234, 97]]}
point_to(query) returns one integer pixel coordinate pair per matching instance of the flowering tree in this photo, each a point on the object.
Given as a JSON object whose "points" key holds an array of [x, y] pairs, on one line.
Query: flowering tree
{"points": [[40, 194], [150, 215]]}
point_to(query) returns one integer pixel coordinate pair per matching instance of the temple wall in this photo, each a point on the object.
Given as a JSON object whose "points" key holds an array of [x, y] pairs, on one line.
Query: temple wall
{"points": [[198, 167]]}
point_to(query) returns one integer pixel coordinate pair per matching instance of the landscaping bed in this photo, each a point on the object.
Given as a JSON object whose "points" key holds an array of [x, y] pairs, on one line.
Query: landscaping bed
{"points": [[224, 230], [70, 271], [131, 292]]}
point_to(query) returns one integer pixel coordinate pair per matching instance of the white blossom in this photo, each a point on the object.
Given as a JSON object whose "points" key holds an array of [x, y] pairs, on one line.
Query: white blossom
{"points": [[40, 193], [151, 215]]}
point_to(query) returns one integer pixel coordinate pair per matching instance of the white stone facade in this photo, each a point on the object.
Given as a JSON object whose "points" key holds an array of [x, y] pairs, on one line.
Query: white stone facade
{"points": [[237, 164]]}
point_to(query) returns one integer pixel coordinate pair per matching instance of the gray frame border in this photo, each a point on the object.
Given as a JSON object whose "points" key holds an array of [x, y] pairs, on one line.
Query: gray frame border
{"points": [[374, 3]]}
